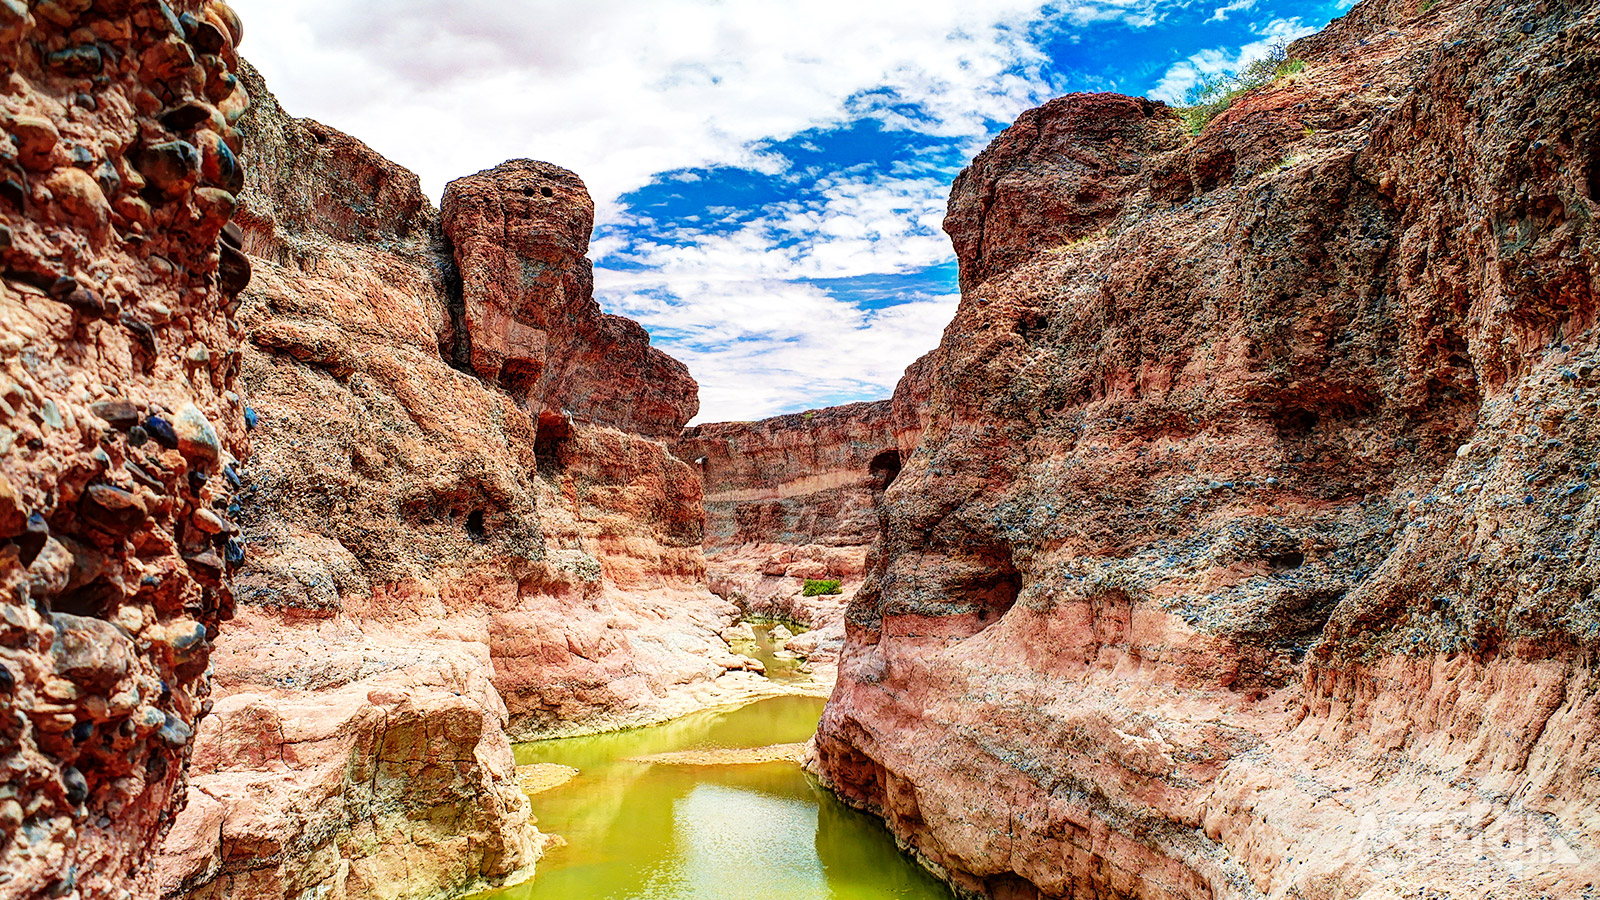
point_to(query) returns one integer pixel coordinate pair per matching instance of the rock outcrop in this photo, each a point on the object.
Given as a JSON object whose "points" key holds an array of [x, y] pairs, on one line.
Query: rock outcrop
{"points": [[1249, 548], [793, 498], [526, 318], [444, 555], [806, 478], [120, 425]]}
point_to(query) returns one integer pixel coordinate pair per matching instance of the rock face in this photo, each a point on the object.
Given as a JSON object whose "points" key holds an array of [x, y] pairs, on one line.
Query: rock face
{"points": [[119, 423], [439, 562], [806, 478], [792, 498], [1249, 548], [526, 317]]}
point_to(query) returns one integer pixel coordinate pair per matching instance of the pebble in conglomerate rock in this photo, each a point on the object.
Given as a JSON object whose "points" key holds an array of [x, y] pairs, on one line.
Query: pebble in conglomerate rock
{"points": [[161, 431], [197, 438], [172, 167]]}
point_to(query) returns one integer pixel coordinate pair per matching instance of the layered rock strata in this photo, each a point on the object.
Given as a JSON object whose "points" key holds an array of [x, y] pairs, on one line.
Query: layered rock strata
{"points": [[120, 425], [793, 498], [442, 557], [1248, 548]]}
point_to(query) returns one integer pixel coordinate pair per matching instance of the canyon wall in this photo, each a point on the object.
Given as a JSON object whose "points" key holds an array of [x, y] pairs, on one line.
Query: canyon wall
{"points": [[119, 424], [1249, 549], [795, 498], [458, 532]]}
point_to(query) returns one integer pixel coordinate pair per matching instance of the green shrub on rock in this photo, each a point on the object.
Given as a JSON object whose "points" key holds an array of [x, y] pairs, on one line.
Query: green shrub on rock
{"points": [[1212, 96], [815, 587]]}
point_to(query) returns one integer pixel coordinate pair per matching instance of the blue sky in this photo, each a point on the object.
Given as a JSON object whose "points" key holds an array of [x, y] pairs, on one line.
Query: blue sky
{"points": [[769, 177]]}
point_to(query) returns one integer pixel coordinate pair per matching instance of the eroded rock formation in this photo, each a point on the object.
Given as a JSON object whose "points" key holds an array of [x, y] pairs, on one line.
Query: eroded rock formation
{"points": [[526, 317], [120, 425], [444, 553], [1248, 550], [793, 498]]}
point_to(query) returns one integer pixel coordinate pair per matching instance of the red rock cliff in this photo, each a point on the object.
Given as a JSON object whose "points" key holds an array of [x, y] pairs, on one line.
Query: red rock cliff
{"points": [[119, 424], [793, 498], [805, 478], [439, 561], [1247, 550], [526, 318]]}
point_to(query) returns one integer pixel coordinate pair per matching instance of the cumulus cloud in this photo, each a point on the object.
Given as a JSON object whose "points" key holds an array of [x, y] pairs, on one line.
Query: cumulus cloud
{"points": [[1220, 14], [809, 347], [620, 90], [731, 301]]}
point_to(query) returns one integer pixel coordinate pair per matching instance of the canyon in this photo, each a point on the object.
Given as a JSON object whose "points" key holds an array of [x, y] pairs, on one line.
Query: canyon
{"points": [[1236, 541], [794, 499]]}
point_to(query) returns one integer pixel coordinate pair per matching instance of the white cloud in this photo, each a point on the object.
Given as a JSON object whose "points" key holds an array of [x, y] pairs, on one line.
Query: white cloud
{"points": [[1220, 14], [1182, 76], [763, 347], [618, 91], [732, 305]]}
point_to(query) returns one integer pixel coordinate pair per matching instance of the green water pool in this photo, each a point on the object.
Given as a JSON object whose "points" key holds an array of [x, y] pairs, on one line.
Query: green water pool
{"points": [[638, 831]]}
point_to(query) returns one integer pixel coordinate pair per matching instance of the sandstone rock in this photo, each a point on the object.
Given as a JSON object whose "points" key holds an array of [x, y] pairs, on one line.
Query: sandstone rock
{"points": [[36, 138], [90, 652], [112, 510], [434, 567], [13, 516], [80, 195], [1199, 583], [119, 414], [228, 19], [218, 167], [208, 521], [196, 438], [347, 789], [527, 319], [50, 570], [171, 167]]}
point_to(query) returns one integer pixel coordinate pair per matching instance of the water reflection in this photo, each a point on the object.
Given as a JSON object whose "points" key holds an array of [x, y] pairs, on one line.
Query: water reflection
{"points": [[655, 832]]}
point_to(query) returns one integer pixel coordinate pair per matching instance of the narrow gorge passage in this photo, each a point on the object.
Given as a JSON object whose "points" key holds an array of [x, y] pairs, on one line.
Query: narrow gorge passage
{"points": [[640, 826], [1239, 539]]}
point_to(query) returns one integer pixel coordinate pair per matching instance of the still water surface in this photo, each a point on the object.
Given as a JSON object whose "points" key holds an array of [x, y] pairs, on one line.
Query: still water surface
{"points": [[637, 831]]}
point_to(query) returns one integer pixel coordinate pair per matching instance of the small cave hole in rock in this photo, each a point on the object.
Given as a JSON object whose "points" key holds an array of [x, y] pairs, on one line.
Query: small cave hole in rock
{"points": [[1594, 176], [1214, 170], [994, 594], [547, 192], [1284, 562], [475, 526], [518, 381], [1296, 423], [884, 469], [550, 442], [91, 601]]}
